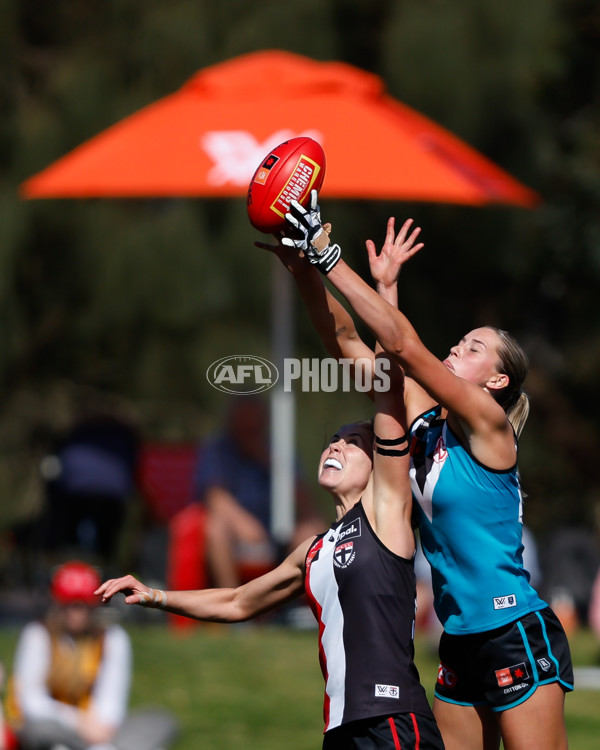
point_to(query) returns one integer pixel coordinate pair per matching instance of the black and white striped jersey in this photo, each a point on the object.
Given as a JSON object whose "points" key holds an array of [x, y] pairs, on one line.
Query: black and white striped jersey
{"points": [[363, 596]]}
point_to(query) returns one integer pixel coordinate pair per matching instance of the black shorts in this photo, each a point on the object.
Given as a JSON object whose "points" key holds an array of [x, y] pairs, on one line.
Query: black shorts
{"points": [[397, 732], [502, 668]]}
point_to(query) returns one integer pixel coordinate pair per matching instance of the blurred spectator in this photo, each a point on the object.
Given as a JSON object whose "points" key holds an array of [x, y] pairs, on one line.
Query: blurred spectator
{"points": [[233, 481], [570, 566], [70, 684], [594, 611], [89, 480]]}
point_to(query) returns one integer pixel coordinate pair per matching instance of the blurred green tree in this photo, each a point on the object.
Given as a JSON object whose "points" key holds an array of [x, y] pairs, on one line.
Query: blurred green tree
{"points": [[133, 299]]}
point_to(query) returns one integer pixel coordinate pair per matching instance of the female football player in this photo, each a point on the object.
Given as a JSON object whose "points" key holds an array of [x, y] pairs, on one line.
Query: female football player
{"points": [[359, 578], [504, 657]]}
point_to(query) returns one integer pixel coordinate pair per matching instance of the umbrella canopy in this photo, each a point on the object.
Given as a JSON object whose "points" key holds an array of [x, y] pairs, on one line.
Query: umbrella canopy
{"points": [[207, 138]]}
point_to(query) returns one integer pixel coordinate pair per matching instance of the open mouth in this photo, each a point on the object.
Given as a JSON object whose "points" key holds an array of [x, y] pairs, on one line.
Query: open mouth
{"points": [[332, 463]]}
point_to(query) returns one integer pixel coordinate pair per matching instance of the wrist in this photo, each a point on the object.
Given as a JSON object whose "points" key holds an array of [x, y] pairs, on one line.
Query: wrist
{"points": [[155, 598], [388, 292]]}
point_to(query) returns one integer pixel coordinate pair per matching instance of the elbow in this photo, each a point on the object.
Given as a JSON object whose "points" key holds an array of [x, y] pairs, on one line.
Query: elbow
{"points": [[402, 349]]}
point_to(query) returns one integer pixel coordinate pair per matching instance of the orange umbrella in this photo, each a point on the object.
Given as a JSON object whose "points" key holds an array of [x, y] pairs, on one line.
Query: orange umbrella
{"points": [[207, 138]]}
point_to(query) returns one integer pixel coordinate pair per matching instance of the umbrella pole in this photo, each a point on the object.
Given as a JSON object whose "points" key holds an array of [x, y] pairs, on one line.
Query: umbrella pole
{"points": [[283, 412]]}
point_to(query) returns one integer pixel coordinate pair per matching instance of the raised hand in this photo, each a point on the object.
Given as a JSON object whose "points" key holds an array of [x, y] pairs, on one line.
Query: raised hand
{"points": [[288, 252], [311, 236], [395, 252]]}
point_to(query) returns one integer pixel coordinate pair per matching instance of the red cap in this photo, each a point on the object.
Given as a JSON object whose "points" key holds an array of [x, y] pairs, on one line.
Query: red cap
{"points": [[75, 582]]}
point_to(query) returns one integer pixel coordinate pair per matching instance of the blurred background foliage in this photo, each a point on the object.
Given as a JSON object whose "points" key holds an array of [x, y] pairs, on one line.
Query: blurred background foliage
{"points": [[127, 302]]}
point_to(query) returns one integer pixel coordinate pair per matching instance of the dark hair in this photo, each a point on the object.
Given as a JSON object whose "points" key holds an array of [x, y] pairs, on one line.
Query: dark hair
{"points": [[512, 361]]}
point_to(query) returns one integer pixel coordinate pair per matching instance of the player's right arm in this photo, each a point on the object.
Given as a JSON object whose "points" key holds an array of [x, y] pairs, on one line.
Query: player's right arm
{"points": [[329, 317], [226, 605]]}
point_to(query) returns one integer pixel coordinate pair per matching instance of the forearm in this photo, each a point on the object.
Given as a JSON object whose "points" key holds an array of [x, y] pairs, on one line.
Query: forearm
{"points": [[329, 317], [389, 293], [389, 326], [209, 605]]}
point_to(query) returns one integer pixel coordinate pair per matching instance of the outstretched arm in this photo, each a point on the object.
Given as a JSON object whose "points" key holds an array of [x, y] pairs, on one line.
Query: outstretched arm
{"points": [[392, 496], [329, 317], [228, 605]]}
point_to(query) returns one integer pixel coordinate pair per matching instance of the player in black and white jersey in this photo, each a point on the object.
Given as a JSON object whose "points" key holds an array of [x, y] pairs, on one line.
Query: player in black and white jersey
{"points": [[359, 577]]}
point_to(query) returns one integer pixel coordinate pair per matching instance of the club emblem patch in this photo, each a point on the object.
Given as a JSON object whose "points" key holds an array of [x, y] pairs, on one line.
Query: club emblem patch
{"points": [[344, 554]]}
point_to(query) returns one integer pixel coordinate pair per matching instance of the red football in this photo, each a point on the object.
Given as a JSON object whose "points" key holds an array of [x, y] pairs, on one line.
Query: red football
{"points": [[289, 172]]}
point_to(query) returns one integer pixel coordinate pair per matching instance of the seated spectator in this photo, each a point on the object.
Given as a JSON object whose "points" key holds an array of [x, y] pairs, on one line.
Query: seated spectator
{"points": [[89, 480], [233, 481], [69, 688]]}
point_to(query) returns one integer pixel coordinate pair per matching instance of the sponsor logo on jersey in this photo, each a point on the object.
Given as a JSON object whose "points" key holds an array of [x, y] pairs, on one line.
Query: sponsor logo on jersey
{"points": [[446, 677], [544, 664], [504, 602], [387, 691], [512, 675], [350, 530], [515, 688], [344, 554]]}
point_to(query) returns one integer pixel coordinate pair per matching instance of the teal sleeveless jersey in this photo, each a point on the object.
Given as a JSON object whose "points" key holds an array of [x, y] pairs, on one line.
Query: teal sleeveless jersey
{"points": [[470, 525]]}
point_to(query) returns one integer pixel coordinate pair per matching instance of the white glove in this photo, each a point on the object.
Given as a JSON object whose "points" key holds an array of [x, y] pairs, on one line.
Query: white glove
{"points": [[314, 240]]}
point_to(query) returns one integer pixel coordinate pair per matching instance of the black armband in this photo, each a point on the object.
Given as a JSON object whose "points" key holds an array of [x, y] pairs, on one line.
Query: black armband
{"points": [[387, 451]]}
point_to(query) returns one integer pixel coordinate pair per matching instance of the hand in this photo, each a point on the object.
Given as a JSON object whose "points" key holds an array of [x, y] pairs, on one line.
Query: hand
{"points": [[135, 592], [92, 730], [287, 251], [313, 239], [385, 267]]}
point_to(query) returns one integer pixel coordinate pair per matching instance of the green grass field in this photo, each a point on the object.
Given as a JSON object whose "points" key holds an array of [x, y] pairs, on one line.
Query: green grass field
{"points": [[260, 687]]}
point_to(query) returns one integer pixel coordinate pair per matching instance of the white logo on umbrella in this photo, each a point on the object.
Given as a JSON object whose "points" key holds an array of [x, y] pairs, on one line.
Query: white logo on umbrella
{"points": [[237, 154]]}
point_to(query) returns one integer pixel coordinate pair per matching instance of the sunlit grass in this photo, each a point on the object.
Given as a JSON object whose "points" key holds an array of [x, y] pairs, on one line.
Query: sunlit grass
{"points": [[260, 687]]}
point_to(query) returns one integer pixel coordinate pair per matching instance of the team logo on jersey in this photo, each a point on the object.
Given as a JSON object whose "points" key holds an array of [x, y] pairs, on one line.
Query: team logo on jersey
{"points": [[446, 676], [504, 602], [511, 675], [387, 691], [544, 664], [441, 452], [344, 554]]}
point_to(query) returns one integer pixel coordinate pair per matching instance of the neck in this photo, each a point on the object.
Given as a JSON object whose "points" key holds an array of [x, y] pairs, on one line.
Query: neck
{"points": [[344, 502]]}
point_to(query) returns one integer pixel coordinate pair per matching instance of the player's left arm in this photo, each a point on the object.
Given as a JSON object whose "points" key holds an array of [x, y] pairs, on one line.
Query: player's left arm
{"points": [[392, 496]]}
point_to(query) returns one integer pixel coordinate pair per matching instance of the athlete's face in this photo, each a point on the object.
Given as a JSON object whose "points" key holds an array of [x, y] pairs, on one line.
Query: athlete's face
{"points": [[347, 461], [475, 358]]}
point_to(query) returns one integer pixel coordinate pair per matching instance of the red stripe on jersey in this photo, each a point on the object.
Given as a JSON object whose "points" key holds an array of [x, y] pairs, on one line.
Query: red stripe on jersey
{"points": [[416, 728], [317, 609], [397, 744]]}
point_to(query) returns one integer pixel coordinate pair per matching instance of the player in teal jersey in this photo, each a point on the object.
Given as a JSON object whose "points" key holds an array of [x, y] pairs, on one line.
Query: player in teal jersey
{"points": [[504, 658]]}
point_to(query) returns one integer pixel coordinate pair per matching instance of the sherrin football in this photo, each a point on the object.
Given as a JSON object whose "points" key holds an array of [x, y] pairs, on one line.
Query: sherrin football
{"points": [[289, 172]]}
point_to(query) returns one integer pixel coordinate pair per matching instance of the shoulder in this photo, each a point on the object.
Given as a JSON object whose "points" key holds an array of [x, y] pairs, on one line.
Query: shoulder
{"points": [[34, 632], [117, 645]]}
